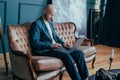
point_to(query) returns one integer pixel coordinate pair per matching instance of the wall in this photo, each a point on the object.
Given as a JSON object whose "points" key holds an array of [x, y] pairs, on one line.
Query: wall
{"points": [[71, 11], [77, 11], [19, 11]]}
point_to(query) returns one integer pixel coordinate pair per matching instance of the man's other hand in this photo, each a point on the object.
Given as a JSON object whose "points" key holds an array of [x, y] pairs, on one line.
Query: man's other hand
{"points": [[66, 45], [56, 45]]}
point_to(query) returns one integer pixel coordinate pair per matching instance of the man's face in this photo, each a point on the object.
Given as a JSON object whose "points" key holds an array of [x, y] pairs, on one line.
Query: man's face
{"points": [[49, 15]]}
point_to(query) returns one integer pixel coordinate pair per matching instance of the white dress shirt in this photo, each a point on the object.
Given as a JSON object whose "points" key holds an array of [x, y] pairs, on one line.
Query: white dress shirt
{"points": [[49, 29]]}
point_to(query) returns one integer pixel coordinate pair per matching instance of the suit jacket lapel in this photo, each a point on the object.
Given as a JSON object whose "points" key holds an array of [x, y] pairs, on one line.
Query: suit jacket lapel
{"points": [[46, 30]]}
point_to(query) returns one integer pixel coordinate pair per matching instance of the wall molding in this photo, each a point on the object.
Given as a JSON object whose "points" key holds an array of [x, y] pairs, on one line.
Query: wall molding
{"points": [[4, 17], [25, 4]]}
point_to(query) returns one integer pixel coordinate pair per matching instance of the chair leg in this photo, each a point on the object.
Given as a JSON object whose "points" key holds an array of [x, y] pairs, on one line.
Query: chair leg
{"points": [[61, 75], [93, 62]]}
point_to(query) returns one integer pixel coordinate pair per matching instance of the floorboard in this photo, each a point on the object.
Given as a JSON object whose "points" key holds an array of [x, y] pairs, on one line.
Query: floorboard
{"points": [[102, 61]]}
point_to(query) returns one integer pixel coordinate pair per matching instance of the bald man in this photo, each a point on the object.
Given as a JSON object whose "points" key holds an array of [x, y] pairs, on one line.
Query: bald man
{"points": [[45, 42]]}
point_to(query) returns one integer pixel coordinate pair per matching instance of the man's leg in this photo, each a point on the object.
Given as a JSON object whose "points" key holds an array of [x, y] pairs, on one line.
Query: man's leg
{"points": [[78, 57], [67, 61]]}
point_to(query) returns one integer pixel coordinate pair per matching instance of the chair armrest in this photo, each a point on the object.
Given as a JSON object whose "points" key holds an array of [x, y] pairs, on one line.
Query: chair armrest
{"points": [[21, 64], [20, 54], [87, 42]]}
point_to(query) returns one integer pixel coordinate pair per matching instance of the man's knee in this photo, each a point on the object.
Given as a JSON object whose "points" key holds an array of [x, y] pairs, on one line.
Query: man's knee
{"points": [[78, 54], [67, 58]]}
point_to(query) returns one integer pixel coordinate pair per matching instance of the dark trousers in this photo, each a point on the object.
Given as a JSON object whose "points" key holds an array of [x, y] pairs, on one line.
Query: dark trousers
{"points": [[68, 60]]}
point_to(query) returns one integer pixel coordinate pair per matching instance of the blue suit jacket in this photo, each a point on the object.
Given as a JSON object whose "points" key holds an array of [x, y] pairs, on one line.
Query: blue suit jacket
{"points": [[40, 38]]}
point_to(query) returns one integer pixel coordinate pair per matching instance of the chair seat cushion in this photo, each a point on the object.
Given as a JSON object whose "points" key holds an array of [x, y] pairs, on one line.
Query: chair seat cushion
{"points": [[43, 63], [88, 50], [47, 75]]}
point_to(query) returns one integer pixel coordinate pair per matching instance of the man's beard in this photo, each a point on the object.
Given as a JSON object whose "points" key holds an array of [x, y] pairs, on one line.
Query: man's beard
{"points": [[45, 17]]}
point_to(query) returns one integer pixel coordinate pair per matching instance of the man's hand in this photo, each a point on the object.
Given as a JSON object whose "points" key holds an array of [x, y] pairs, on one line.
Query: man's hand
{"points": [[56, 45], [66, 45]]}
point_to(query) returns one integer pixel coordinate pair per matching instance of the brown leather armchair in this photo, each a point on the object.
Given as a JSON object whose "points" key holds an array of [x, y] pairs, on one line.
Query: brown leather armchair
{"points": [[28, 67]]}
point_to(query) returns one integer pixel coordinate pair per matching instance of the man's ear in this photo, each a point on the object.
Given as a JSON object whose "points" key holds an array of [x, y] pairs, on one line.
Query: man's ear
{"points": [[44, 11]]}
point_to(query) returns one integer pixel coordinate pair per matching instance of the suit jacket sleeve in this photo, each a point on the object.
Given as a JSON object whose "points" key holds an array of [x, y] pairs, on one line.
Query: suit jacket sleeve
{"points": [[35, 35]]}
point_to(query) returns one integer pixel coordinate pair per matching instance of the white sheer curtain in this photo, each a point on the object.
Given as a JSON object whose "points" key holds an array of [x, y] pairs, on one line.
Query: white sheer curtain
{"points": [[72, 11]]}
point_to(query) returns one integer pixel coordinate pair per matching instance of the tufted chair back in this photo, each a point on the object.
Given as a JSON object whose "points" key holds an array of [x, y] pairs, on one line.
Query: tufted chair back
{"points": [[66, 32], [19, 35]]}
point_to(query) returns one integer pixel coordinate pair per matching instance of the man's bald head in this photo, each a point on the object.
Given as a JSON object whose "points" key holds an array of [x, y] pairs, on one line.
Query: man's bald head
{"points": [[49, 7], [48, 12]]}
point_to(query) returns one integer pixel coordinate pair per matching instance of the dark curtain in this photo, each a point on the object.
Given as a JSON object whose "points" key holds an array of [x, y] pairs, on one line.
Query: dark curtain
{"points": [[111, 24], [49, 1]]}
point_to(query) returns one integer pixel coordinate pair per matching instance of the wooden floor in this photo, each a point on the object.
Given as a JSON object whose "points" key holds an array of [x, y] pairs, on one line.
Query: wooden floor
{"points": [[102, 61]]}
